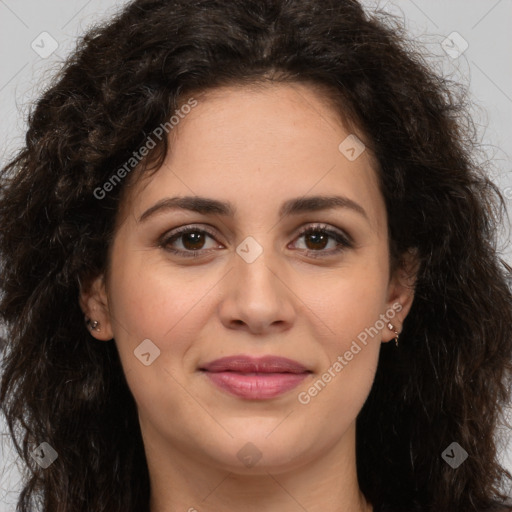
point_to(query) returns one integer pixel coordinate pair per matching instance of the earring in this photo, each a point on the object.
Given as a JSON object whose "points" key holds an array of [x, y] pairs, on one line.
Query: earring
{"points": [[94, 325], [391, 327]]}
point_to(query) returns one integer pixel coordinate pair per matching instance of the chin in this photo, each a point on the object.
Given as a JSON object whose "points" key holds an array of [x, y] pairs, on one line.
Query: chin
{"points": [[252, 451]]}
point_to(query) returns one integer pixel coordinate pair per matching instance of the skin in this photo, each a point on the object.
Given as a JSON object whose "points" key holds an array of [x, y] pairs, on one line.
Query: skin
{"points": [[256, 148]]}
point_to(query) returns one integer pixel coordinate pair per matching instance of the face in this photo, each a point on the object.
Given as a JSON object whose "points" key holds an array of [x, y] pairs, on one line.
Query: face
{"points": [[222, 304]]}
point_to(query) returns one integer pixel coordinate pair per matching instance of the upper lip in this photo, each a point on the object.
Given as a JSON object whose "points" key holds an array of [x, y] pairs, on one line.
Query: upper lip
{"points": [[248, 364]]}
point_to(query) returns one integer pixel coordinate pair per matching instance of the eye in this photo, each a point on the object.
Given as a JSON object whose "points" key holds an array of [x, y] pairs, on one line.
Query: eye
{"points": [[317, 238], [192, 240]]}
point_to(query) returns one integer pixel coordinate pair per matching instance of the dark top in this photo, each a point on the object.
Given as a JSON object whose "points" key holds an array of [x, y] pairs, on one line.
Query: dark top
{"points": [[498, 507]]}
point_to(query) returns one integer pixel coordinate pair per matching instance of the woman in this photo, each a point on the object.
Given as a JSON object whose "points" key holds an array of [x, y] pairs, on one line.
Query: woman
{"points": [[250, 263]]}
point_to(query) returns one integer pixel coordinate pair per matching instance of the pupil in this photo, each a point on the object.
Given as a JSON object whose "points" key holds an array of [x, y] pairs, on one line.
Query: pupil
{"points": [[320, 238], [194, 238]]}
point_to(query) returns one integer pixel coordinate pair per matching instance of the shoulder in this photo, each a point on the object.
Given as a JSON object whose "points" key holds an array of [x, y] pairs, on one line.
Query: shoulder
{"points": [[497, 507], [500, 507]]}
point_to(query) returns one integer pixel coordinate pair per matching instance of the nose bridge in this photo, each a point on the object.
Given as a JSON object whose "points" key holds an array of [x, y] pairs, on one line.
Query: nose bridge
{"points": [[256, 295], [253, 266]]}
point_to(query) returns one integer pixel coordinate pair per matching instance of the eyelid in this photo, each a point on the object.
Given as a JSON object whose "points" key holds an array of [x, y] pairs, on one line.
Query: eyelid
{"points": [[180, 230], [319, 226], [343, 239], [341, 236]]}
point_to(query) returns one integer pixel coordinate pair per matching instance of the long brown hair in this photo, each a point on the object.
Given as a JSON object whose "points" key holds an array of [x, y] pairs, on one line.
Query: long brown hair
{"points": [[450, 378]]}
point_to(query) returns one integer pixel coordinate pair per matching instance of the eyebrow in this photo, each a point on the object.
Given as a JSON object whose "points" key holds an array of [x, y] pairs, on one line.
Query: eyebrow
{"points": [[205, 206]]}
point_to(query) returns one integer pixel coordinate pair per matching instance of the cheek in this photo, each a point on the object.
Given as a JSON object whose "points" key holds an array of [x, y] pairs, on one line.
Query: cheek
{"points": [[350, 301], [352, 351], [149, 297], [148, 303], [350, 308]]}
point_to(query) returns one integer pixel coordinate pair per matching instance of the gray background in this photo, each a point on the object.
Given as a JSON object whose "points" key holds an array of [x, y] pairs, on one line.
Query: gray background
{"points": [[485, 67]]}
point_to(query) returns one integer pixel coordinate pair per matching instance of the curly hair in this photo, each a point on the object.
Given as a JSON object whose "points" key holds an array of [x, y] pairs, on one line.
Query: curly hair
{"points": [[449, 380]]}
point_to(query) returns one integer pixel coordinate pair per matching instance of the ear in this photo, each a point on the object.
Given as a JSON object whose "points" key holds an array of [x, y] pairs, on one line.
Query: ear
{"points": [[401, 292], [94, 303]]}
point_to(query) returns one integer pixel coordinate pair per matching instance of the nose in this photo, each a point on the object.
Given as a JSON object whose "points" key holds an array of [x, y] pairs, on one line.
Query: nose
{"points": [[256, 297]]}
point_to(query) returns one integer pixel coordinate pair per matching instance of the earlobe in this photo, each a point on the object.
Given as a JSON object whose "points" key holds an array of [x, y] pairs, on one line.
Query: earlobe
{"points": [[93, 301], [401, 293]]}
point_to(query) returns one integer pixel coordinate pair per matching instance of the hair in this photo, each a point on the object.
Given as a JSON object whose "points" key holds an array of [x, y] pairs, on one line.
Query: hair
{"points": [[450, 377]]}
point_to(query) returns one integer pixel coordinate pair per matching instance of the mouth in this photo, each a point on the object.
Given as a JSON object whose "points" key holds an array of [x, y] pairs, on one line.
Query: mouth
{"points": [[255, 378]]}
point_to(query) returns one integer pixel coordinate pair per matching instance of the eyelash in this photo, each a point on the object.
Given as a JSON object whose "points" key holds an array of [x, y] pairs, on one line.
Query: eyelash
{"points": [[344, 242]]}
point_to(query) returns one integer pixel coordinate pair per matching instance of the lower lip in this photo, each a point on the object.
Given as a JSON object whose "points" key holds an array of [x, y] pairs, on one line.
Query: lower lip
{"points": [[259, 386]]}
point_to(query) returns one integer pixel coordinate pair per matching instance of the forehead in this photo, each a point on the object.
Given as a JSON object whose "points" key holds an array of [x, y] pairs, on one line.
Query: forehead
{"points": [[262, 143]]}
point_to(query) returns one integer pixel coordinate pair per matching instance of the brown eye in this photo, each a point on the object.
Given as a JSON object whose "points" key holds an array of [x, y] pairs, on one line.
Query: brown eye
{"points": [[317, 239], [193, 240]]}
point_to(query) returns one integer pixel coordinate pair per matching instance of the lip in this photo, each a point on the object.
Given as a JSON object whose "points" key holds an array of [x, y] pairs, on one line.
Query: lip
{"points": [[255, 378]]}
